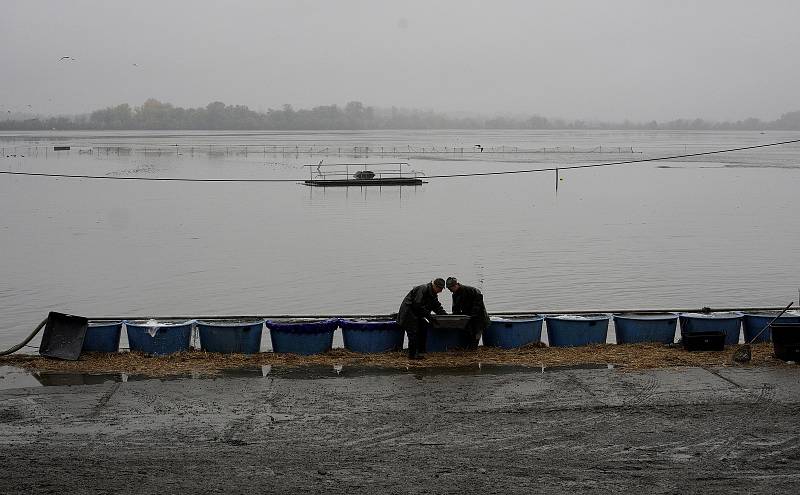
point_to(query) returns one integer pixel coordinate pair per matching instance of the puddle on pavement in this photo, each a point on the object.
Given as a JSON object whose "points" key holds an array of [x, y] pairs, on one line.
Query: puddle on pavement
{"points": [[587, 366], [57, 379], [11, 377]]}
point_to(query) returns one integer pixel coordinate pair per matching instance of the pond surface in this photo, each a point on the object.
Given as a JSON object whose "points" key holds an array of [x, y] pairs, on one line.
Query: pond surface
{"points": [[719, 230]]}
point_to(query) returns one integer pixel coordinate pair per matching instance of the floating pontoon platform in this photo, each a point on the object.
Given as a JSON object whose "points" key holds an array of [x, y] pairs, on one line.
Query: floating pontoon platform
{"points": [[366, 174], [395, 181]]}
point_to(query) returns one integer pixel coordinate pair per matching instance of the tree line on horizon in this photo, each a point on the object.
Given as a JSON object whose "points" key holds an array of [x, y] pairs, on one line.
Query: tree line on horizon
{"points": [[155, 115]]}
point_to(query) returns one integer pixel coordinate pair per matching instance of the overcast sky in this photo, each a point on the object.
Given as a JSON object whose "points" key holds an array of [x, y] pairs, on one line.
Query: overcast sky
{"points": [[608, 60]]}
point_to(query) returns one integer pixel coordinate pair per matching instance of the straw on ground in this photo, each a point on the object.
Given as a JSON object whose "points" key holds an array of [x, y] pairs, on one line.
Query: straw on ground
{"points": [[626, 357]]}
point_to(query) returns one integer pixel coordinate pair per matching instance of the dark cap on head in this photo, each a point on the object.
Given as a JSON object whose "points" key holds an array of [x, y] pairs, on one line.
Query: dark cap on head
{"points": [[451, 281], [439, 282]]}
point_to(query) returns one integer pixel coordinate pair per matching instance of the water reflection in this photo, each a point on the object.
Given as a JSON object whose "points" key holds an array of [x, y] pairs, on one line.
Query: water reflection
{"points": [[572, 367], [305, 372], [169, 378], [18, 378], [58, 379], [254, 372], [11, 377]]}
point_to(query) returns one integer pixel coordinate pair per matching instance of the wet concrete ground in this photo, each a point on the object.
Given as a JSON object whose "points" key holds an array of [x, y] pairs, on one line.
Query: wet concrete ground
{"points": [[501, 430]]}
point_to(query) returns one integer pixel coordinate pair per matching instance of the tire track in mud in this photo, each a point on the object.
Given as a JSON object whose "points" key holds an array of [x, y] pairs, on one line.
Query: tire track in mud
{"points": [[635, 413], [104, 399], [763, 407], [641, 395], [243, 424], [640, 399], [581, 412], [616, 417], [636, 425], [522, 426], [386, 434], [719, 448], [573, 379]]}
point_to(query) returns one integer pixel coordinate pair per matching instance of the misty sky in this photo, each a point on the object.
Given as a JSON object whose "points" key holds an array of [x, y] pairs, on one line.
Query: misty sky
{"points": [[608, 60]]}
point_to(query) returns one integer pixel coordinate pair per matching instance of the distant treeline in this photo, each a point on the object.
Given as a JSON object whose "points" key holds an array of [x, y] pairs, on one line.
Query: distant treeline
{"points": [[155, 115]]}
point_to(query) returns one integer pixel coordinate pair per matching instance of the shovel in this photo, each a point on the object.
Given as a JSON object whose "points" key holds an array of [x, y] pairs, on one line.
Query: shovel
{"points": [[745, 353]]}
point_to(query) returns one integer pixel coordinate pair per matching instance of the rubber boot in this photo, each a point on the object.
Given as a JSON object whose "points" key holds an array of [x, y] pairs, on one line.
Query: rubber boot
{"points": [[413, 337], [422, 340]]}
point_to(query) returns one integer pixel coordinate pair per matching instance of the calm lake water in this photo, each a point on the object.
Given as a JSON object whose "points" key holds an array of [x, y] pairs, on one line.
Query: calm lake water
{"points": [[719, 230]]}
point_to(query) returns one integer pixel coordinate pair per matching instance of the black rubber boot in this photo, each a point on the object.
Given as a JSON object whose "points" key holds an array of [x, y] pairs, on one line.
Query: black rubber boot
{"points": [[412, 344], [422, 339]]}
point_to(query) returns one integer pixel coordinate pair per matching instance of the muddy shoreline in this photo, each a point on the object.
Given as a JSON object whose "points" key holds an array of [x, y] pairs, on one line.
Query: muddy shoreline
{"points": [[669, 430]]}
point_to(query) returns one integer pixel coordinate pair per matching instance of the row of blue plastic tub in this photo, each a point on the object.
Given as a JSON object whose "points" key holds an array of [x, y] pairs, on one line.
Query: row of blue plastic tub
{"points": [[306, 337], [314, 337], [578, 330]]}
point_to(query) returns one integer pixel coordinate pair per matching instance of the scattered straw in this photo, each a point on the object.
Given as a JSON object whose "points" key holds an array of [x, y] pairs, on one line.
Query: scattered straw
{"points": [[626, 357]]}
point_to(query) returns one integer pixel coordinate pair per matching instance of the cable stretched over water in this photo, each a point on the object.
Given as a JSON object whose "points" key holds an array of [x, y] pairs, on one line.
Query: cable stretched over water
{"points": [[443, 176], [151, 179]]}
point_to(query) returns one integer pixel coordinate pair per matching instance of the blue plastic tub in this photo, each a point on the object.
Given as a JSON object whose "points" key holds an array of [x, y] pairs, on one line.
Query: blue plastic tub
{"points": [[241, 337], [634, 328], [710, 322], [577, 330], [302, 337], [102, 336], [446, 339], [752, 323], [371, 336], [446, 333], [513, 332], [159, 338]]}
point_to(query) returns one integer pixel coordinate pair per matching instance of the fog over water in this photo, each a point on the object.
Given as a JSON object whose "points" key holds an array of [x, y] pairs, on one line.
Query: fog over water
{"points": [[717, 231], [611, 60]]}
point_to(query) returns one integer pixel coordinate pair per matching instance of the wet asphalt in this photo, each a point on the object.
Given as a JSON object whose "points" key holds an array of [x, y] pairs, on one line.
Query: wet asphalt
{"points": [[473, 431]]}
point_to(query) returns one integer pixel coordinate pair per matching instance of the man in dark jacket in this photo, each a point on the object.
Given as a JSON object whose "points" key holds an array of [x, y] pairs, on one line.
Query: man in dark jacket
{"points": [[469, 301], [414, 310]]}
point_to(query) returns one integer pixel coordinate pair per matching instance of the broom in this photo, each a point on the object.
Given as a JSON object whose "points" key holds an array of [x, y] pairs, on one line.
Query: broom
{"points": [[745, 353]]}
